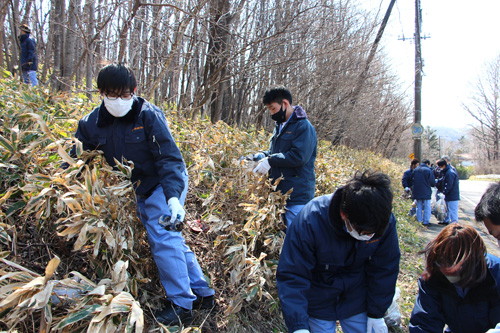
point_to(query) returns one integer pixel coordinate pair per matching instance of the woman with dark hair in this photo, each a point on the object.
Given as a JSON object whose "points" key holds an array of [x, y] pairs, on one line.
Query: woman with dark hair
{"points": [[460, 286]]}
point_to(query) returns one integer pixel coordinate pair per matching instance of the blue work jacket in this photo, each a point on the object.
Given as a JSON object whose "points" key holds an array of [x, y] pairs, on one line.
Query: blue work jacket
{"points": [[438, 304], [141, 136], [29, 58], [423, 180], [292, 153], [407, 180], [449, 184], [326, 274]]}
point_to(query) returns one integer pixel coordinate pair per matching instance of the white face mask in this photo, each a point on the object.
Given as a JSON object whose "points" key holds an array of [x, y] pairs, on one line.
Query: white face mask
{"points": [[118, 107], [452, 279], [356, 234]]}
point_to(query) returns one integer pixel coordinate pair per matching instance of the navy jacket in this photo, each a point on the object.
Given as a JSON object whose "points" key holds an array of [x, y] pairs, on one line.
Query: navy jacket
{"points": [[407, 180], [438, 304], [141, 136], [292, 153], [29, 58], [449, 184], [325, 273], [423, 180]]}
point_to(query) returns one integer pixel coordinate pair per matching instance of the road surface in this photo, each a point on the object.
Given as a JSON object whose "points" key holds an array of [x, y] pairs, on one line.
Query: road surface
{"points": [[470, 194]]}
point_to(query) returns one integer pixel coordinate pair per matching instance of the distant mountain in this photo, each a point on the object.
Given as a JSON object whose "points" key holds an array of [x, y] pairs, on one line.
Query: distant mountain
{"points": [[450, 133]]}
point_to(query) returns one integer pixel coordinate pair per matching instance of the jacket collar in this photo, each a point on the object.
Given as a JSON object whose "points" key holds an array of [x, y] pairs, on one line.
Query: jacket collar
{"points": [[104, 118], [334, 213]]}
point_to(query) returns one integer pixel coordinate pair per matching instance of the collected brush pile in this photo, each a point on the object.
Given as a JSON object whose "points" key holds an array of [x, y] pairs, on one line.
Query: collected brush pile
{"points": [[74, 257]]}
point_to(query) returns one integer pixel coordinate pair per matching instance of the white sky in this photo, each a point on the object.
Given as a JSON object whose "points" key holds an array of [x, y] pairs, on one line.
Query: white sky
{"points": [[464, 36]]}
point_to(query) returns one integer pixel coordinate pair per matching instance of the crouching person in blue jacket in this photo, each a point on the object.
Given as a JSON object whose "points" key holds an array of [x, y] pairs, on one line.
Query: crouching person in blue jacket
{"points": [[126, 126], [340, 259], [460, 285]]}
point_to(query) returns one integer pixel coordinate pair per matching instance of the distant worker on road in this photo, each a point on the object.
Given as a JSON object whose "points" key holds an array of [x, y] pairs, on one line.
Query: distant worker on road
{"points": [[449, 185], [423, 181]]}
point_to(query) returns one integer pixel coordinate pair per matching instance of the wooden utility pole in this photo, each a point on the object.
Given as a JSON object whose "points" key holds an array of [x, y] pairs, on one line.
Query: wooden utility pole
{"points": [[417, 143]]}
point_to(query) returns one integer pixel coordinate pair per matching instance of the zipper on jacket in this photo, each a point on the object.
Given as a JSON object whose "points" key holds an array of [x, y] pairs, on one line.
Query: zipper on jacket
{"points": [[159, 148]]}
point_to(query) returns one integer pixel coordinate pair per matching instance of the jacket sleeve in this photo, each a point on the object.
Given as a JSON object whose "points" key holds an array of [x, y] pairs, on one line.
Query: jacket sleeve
{"points": [[382, 272], [300, 153], [406, 180], [426, 315], [448, 181], [294, 273], [167, 156], [432, 180]]}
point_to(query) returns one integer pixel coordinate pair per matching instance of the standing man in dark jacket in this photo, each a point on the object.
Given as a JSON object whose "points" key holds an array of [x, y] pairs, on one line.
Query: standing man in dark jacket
{"points": [[29, 58], [340, 259], [423, 180], [449, 186], [292, 151], [128, 127]]}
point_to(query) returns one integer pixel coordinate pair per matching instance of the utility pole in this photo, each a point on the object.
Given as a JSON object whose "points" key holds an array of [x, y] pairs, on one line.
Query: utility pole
{"points": [[417, 143]]}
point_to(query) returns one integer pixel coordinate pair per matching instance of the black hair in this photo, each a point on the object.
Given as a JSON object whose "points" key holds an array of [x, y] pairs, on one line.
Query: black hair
{"points": [[442, 163], [116, 78], [426, 161], [277, 95], [415, 161], [367, 201], [489, 205]]}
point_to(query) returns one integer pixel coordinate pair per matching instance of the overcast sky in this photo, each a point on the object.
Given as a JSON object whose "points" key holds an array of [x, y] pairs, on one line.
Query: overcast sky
{"points": [[464, 36]]}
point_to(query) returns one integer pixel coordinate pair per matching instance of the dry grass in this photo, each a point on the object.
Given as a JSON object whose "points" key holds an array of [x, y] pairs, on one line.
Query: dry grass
{"points": [[75, 229]]}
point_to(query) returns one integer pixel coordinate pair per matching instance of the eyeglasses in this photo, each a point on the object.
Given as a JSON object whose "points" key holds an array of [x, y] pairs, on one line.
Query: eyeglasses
{"points": [[125, 96]]}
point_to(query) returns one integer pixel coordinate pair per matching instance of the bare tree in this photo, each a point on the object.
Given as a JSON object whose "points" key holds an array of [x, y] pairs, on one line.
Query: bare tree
{"points": [[484, 107]]}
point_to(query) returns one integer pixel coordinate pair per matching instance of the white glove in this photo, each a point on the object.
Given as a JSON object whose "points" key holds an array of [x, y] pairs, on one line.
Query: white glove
{"points": [[301, 331], [407, 189], [262, 167], [176, 209], [377, 325]]}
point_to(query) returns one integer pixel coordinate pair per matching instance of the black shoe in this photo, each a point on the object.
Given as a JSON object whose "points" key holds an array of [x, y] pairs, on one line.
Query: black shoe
{"points": [[174, 314], [204, 302], [443, 223]]}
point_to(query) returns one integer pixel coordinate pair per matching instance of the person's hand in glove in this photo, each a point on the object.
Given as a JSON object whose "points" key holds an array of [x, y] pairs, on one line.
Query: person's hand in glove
{"points": [[301, 331], [176, 209], [262, 167], [376, 325], [407, 189]]}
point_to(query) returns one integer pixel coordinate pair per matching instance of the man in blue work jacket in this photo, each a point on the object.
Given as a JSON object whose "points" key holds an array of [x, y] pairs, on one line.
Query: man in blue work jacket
{"points": [[292, 151], [340, 259], [126, 126]]}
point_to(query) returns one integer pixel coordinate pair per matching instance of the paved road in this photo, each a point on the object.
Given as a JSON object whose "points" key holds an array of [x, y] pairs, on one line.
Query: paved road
{"points": [[470, 194]]}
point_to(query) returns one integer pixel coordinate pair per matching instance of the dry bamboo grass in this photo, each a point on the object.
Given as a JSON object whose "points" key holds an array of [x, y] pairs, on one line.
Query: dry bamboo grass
{"points": [[75, 229]]}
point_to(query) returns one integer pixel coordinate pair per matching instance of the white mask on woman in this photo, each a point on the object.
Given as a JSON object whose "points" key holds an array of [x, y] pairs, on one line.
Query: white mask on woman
{"points": [[118, 107], [452, 278]]}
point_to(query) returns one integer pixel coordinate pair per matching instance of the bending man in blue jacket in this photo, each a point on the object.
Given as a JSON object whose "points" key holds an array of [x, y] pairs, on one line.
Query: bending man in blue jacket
{"points": [[128, 127], [292, 151], [340, 259]]}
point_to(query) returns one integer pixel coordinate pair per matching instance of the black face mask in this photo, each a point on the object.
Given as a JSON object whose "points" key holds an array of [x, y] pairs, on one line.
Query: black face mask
{"points": [[279, 116]]}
